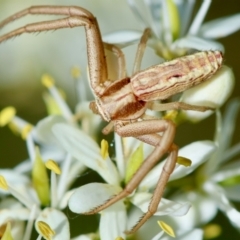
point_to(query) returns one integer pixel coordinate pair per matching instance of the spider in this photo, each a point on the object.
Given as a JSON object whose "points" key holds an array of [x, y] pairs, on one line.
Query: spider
{"points": [[123, 102]]}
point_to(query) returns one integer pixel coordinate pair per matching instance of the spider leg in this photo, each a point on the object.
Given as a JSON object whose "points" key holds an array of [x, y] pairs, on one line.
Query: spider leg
{"points": [[121, 64], [176, 106], [140, 50], [77, 17], [144, 131]]}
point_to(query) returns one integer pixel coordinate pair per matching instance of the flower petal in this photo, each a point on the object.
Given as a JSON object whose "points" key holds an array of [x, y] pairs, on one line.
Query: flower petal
{"points": [[42, 131], [192, 42], [166, 207], [83, 237], [116, 217], [57, 221], [196, 234], [15, 179], [219, 196], [197, 152], [202, 211], [12, 210], [220, 27], [233, 192], [86, 150], [229, 171], [123, 38], [91, 195]]}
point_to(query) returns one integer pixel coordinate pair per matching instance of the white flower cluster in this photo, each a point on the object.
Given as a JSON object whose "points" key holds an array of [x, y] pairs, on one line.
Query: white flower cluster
{"points": [[64, 143]]}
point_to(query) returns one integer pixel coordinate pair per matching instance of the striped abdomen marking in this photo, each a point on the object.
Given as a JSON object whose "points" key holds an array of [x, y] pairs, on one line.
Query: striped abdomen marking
{"points": [[164, 80]]}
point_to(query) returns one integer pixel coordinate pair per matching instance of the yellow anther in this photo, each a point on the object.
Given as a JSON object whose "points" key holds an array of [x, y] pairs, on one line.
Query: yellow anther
{"points": [[45, 230], [47, 80], [212, 231], [75, 72], [184, 161], [53, 166], [26, 130], [171, 115], [6, 115], [119, 238], [3, 183], [104, 149], [166, 228]]}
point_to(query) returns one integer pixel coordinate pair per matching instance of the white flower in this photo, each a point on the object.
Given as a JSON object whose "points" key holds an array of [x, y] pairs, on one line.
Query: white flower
{"points": [[33, 195], [173, 36], [92, 195], [216, 182], [172, 29]]}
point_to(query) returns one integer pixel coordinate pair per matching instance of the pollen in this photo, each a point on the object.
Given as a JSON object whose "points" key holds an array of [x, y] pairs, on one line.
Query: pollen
{"points": [[171, 115], [184, 161], [75, 72], [212, 231], [47, 80], [6, 115], [104, 149], [53, 166], [166, 228], [45, 230], [3, 183]]}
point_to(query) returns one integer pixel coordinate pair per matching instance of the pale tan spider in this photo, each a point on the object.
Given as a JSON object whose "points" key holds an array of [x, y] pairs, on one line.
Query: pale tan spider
{"points": [[123, 102]]}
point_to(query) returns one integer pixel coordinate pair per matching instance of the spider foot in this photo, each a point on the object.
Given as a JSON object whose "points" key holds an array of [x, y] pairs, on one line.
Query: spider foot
{"points": [[100, 207]]}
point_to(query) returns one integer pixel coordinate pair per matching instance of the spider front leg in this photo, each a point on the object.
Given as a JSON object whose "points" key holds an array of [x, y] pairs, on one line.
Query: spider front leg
{"points": [[146, 132], [76, 16]]}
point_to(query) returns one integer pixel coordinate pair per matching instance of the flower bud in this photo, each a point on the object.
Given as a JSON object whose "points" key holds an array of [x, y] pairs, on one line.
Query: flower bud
{"points": [[212, 93]]}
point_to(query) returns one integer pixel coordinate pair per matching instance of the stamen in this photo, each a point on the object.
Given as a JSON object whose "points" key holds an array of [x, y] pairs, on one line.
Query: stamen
{"points": [[53, 166], [104, 149], [193, 30], [47, 81], [62, 182], [45, 230], [21, 198], [26, 130], [166, 228], [30, 222], [6, 115], [184, 161], [3, 183]]}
